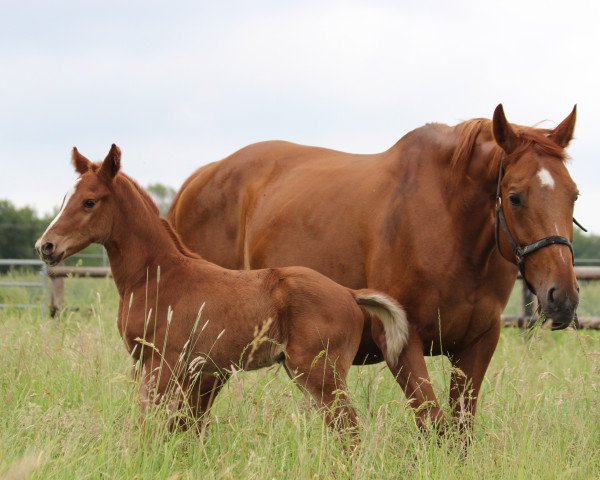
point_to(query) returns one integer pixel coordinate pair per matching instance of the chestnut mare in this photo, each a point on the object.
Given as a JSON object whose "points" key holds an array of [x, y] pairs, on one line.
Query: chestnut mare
{"points": [[417, 221], [292, 315]]}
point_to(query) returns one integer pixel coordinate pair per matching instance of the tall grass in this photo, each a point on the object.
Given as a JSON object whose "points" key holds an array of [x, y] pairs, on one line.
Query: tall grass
{"points": [[69, 410]]}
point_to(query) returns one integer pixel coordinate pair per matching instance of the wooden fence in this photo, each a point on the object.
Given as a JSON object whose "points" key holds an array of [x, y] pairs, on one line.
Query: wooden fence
{"points": [[57, 284], [528, 317], [525, 318]]}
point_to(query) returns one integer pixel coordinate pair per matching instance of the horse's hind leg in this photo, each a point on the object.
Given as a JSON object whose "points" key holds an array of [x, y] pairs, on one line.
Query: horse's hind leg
{"points": [[322, 373]]}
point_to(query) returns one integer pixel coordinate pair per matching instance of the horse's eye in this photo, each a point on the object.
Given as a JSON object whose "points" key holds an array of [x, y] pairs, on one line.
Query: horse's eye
{"points": [[515, 199], [89, 203]]}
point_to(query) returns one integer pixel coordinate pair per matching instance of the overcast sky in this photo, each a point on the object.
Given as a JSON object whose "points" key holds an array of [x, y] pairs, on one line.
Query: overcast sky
{"points": [[180, 84]]}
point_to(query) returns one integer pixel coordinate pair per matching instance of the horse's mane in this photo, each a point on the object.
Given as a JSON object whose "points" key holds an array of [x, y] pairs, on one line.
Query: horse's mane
{"points": [[530, 137], [165, 223]]}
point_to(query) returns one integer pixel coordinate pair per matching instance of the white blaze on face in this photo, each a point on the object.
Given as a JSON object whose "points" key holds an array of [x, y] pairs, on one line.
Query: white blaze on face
{"points": [[62, 208], [545, 178]]}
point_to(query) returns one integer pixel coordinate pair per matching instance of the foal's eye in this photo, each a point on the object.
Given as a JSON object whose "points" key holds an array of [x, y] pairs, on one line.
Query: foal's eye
{"points": [[89, 203], [515, 199]]}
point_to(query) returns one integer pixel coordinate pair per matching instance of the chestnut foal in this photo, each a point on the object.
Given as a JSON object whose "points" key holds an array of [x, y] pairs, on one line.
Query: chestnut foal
{"points": [[250, 319]]}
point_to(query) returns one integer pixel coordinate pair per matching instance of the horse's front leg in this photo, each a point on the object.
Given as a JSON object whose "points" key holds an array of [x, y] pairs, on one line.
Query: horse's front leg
{"points": [[412, 376], [470, 364]]}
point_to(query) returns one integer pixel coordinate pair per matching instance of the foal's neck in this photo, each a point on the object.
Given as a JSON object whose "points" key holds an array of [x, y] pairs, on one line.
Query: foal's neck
{"points": [[139, 243]]}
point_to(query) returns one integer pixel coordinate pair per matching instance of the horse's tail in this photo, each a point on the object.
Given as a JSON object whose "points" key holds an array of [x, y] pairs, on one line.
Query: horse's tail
{"points": [[393, 318]]}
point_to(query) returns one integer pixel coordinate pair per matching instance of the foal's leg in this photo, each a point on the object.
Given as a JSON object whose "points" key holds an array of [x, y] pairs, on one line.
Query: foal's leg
{"points": [[412, 376], [323, 376], [155, 383], [159, 385], [201, 396], [470, 365]]}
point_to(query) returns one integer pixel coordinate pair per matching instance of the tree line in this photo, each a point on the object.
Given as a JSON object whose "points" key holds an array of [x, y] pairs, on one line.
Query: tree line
{"points": [[21, 227]]}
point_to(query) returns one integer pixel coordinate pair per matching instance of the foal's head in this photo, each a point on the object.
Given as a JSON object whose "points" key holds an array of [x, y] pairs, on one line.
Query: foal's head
{"points": [[86, 215], [537, 197]]}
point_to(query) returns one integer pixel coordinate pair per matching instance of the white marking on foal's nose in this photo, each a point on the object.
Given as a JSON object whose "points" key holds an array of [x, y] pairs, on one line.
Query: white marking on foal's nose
{"points": [[545, 178], [62, 208]]}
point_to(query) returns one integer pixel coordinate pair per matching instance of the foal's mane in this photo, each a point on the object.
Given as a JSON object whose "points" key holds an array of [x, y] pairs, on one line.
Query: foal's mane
{"points": [[530, 137], [145, 196]]}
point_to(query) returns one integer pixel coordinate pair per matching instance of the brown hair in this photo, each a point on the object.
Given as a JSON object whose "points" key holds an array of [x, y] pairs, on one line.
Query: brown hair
{"points": [[529, 137]]}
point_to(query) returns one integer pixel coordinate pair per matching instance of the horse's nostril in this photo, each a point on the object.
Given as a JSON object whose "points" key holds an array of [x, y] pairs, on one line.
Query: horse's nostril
{"points": [[551, 293], [47, 248]]}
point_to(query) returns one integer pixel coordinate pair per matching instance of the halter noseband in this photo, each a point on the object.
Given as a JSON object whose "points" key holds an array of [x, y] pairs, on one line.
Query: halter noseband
{"points": [[520, 252]]}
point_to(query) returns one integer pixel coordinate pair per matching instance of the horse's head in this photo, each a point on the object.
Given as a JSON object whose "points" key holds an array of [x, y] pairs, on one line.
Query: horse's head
{"points": [[86, 213], [536, 196]]}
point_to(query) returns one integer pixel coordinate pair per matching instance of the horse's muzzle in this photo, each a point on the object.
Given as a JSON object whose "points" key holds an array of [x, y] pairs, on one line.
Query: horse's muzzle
{"points": [[560, 306]]}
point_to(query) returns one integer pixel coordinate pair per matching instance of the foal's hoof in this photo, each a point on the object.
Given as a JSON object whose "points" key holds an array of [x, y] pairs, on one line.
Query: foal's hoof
{"points": [[432, 420]]}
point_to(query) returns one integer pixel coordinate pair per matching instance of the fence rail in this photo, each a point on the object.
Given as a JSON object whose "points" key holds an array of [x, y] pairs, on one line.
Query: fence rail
{"points": [[90, 272], [58, 273], [527, 317], [41, 284]]}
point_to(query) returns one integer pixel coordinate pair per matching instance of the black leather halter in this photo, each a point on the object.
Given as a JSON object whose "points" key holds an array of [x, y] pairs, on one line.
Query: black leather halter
{"points": [[520, 252]]}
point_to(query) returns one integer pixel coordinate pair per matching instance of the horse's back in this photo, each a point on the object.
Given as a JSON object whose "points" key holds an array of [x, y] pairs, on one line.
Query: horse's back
{"points": [[241, 212]]}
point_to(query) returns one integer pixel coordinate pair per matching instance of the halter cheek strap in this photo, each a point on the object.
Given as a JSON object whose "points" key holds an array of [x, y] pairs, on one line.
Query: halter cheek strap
{"points": [[520, 252]]}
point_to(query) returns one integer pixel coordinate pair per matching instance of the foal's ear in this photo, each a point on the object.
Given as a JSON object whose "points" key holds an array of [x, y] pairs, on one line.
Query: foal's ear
{"points": [[504, 135], [111, 164], [80, 163], [563, 133]]}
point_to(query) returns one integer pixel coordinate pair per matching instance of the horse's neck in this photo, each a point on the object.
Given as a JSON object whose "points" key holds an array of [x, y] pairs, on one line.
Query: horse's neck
{"points": [[139, 244], [467, 192], [473, 203]]}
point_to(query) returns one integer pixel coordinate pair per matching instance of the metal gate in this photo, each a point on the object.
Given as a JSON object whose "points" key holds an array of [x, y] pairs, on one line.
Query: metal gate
{"points": [[42, 284]]}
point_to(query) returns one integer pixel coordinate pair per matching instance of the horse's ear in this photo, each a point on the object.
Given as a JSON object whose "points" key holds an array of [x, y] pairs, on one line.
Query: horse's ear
{"points": [[504, 135], [111, 164], [563, 133], [80, 163]]}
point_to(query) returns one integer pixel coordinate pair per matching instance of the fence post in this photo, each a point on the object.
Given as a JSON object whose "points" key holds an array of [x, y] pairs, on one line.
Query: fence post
{"points": [[527, 305], [57, 294]]}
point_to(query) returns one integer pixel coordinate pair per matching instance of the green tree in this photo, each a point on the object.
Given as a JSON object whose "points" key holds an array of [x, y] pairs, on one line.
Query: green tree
{"points": [[19, 229], [163, 196], [586, 246]]}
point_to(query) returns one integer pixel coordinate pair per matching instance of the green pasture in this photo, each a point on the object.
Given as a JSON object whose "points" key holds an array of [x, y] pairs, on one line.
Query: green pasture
{"points": [[69, 410]]}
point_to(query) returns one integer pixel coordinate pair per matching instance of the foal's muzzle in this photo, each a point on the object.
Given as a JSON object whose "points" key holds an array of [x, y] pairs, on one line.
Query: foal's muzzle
{"points": [[47, 252]]}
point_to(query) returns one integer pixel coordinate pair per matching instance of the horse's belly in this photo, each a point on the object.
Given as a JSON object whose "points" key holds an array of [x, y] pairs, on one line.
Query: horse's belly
{"points": [[450, 329]]}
